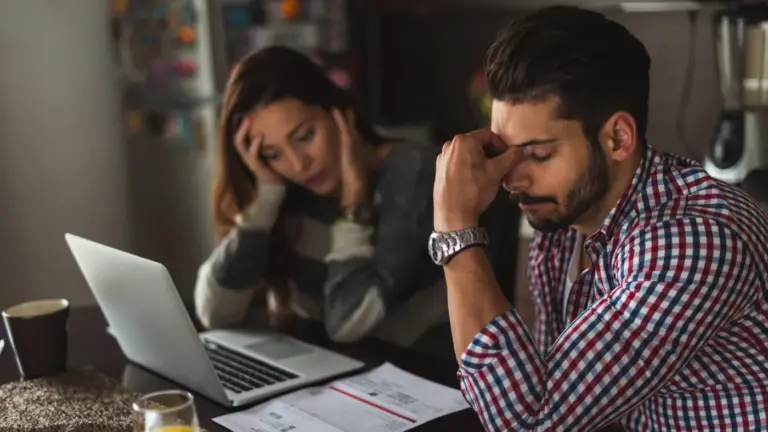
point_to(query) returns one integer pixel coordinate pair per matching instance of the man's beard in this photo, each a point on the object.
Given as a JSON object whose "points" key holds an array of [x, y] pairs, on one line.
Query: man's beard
{"points": [[590, 188]]}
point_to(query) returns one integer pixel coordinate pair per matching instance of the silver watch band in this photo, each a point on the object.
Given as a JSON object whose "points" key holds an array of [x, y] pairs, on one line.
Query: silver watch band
{"points": [[444, 246]]}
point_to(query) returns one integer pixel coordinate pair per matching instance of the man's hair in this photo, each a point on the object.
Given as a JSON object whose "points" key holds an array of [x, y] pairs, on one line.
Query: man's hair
{"points": [[594, 66]]}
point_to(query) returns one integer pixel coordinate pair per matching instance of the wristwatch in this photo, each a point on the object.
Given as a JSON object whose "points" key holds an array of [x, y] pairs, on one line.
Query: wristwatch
{"points": [[444, 246]]}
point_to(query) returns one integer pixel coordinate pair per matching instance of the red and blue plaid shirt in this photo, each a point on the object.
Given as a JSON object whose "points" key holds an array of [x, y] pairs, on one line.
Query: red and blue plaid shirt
{"points": [[667, 329]]}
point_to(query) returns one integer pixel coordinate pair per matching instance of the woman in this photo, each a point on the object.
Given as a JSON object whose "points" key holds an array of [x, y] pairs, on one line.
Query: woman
{"points": [[310, 201]]}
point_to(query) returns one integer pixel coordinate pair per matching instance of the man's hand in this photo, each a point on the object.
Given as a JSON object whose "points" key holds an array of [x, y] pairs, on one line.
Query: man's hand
{"points": [[466, 181]]}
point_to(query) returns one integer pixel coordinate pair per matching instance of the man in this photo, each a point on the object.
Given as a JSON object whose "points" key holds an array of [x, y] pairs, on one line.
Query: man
{"points": [[648, 275]]}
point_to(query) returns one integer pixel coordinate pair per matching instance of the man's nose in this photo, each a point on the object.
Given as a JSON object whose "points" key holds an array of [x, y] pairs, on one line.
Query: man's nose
{"points": [[516, 180]]}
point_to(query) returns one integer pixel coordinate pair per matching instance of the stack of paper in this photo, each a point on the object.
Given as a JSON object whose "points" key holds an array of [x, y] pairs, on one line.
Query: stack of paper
{"points": [[386, 399]]}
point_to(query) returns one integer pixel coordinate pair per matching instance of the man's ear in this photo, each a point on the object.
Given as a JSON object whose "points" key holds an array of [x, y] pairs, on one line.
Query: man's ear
{"points": [[619, 133]]}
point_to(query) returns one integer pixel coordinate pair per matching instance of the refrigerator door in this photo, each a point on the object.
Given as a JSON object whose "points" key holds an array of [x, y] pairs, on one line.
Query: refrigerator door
{"points": [[164, 60]]}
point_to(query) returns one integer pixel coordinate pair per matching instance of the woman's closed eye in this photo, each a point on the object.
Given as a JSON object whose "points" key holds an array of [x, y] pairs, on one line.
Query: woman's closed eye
{"points": [[305, 135], [270, 154]]}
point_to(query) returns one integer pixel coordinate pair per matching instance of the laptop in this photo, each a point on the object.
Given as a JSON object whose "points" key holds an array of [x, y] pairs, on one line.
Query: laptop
{"points": [[148, 318]]}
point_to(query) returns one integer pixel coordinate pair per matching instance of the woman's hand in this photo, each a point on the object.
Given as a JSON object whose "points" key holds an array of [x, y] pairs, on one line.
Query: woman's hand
{"points": [[354, 169], [251, 155]]}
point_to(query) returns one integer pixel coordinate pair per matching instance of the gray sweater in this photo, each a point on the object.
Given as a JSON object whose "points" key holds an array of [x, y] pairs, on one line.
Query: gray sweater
{"points": [[358, 280]]}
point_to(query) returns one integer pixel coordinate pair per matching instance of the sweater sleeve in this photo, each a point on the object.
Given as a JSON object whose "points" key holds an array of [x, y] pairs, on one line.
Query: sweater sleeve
{"points": [[227, 279], [372, 268]]}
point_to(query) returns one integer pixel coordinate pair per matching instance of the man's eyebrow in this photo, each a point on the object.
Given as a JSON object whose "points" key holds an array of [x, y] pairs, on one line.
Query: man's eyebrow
{"points": [[535, 142]]}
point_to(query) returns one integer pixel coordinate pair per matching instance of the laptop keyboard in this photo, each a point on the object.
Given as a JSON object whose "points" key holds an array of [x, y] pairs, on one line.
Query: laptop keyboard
{"points": [[239, 373]]}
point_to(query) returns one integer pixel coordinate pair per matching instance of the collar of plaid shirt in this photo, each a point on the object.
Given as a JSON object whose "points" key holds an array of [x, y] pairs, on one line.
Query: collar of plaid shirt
{"points": [[581, 294], [625, 209]]}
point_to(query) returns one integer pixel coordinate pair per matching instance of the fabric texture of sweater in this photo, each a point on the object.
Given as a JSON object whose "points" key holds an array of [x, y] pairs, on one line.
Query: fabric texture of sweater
{"points": [[358, 280]]}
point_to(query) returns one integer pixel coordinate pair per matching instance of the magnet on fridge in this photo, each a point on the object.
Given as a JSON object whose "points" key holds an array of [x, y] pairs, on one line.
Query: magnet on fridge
{"points": [[133, 121], [158, 11], [290, 10], [180, 128], [118, 7], [340, 77], [187, 35], [238, 16], [184, 68]]}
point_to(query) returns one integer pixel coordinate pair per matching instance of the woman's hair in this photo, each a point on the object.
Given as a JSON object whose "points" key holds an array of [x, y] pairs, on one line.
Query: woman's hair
{"points": [[259, 79]]}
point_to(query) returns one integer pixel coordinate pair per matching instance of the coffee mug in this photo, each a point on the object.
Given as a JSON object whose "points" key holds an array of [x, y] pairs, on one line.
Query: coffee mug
{"points": [[37, 331]]}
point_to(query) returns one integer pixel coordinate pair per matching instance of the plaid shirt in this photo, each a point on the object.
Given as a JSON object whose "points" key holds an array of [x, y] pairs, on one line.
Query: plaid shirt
{"points": [[667, 330]]}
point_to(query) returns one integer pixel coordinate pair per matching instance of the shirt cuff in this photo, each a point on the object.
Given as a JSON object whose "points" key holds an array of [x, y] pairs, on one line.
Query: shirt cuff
{"points": [[264, 210], [490, 341], [350, 240]]}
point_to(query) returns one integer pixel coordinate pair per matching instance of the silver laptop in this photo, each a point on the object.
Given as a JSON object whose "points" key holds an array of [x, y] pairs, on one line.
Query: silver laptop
{"points": [[149, 321]]}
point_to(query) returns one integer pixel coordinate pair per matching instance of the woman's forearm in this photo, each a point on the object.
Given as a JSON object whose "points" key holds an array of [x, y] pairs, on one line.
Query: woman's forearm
{"points": [[226, 280]]}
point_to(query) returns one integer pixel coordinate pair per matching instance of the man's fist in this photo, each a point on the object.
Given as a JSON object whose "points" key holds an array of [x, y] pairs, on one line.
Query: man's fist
{"points": [[467, 179]]}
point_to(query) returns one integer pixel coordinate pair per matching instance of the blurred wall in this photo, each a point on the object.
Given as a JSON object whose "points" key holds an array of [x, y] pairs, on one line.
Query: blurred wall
{"points": [[61, 158]]}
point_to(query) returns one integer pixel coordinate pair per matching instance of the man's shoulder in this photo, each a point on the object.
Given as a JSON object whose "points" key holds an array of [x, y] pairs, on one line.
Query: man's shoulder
{"points": [[681, 189], [682, 206]]}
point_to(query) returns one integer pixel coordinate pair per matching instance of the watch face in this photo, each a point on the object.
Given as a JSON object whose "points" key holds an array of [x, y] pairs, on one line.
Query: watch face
{"points": [[435, 251]]}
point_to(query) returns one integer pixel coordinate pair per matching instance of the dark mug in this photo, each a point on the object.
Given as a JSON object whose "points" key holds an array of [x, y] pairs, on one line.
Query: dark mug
{"points": [[37, 331]]}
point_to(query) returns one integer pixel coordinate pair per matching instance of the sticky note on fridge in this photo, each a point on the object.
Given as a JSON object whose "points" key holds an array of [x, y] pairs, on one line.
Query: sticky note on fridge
{"points": [[238, 16], [187, 35], [290, 9], [158, 11], [118, 7], [133, 121], [180, 127], [340, 77]]}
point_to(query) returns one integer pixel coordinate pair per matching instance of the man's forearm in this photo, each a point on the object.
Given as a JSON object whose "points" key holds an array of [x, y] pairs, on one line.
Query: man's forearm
{"points": [[474, 296]]}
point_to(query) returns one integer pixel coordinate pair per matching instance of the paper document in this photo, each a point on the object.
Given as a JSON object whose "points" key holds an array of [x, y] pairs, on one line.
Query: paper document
{"points": [[386, 399]]}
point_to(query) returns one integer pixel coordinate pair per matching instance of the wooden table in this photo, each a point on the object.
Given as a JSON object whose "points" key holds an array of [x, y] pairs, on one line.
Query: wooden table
{"points": [[90, 344]]}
